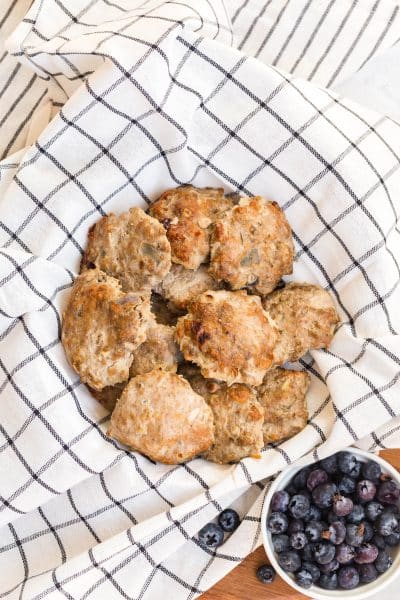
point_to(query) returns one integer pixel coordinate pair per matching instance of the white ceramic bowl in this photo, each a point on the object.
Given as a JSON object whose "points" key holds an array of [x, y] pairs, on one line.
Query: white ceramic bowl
{"points": [[359, 593]]}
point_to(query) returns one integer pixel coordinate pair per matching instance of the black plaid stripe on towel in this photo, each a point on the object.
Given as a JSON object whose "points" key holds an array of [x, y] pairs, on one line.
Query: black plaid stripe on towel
{"points": [[153, 95]]}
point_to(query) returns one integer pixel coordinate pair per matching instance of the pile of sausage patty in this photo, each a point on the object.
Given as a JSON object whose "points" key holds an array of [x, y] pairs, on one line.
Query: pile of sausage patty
{"points": [[179, 323]]}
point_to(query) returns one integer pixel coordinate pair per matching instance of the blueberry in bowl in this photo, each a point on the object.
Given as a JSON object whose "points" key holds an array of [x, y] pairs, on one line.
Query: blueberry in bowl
{"points": [[332, 528]]}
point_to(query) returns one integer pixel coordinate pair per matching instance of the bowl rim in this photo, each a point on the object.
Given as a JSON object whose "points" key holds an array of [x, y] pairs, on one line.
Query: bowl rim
{"points": [[314, 591]]}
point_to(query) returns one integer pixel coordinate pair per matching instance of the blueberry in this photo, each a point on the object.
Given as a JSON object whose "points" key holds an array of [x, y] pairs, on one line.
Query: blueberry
{"points": [[291, 489], [379, 541], [280, 501], [346, 485], [298, 506], [335, 533], [367, 573], [265, 574], [366, 553], [298, 540], [295, 525], [307, 553], [373, 510], [345, 554], [289, 561], [315, 478], [366, 490], [332, 517], [392, 508], [368, 531], [357, 514], [371, 470], [277, 522], [388, 492], [383, 561], [393, 539], [386, 523], [300, 479], [342, 506], [348, 578], [354, 534], [349, 465], [329, 464], [328, 581], [305, 492], [323, 495], [312, 569], [280, 542], [211, 535], [313, 514], [304, 578], [324, 552], [333, 565], [229, 520], [313, 530]]}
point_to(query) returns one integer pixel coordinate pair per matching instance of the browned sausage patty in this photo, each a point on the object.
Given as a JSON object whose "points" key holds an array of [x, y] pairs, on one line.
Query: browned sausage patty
{"points": [[238, 420], [132, 247], [158, 351], [102, 327], [180, 286], [161, 416], [283, 397], [305, 316], [187, 213], [229, 336], [252, 246]]}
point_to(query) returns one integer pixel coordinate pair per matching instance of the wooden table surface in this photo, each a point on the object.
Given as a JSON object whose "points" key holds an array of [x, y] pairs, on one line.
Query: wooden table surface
{"points": [[242, 584]]}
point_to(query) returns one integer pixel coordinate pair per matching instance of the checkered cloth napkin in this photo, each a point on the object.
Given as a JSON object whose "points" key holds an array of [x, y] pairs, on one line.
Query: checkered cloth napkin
{"points": [[104, 104]]}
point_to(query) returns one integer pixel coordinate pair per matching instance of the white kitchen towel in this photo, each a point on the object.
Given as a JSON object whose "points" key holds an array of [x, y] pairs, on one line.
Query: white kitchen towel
{"points": [[324, 41], [152, 95]]}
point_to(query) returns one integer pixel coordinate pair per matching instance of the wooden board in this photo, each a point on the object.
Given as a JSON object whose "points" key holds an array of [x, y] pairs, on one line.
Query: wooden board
{"points": [[242, 584]]}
